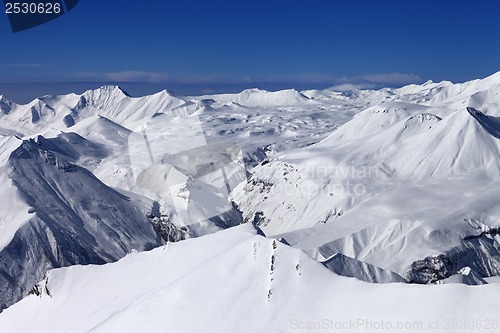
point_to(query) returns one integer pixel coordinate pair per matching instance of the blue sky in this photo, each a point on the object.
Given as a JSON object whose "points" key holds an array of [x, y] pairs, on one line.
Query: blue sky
{"points": [[196, 46]]}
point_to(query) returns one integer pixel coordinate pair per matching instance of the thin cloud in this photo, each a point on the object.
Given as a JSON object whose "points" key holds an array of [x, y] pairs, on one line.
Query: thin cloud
{"points": [[352, 86], [27, 65], [126, 76], [373, 81], [392, 78], [364, 81]]}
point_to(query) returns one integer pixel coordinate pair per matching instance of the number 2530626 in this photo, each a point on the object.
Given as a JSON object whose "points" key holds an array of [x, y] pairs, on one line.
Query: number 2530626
{"points": [[32, 8]]}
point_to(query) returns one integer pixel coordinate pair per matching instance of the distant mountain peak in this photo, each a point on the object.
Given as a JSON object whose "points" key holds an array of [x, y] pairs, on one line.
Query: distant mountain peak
{"points": [[165, 92], [253, 90], [112, 89], [5, 105], [103, 96], [4, 99]]}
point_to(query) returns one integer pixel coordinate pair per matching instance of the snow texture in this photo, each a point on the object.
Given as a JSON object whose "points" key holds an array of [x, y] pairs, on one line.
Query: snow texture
{"points": [[397, 187]]}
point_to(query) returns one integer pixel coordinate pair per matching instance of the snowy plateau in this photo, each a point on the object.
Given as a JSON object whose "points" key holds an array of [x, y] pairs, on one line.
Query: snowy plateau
{"points": [[287, 211]]}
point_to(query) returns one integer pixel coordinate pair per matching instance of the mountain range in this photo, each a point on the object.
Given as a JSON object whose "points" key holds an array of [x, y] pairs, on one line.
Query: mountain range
{"points": [[333, 199]]}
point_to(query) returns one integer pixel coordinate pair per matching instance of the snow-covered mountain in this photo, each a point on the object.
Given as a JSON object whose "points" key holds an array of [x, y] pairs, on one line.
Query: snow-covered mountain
{"points": [[258, 97], [407, 180], [235, 281], [57, 213], [70, 190], [391, 186]]}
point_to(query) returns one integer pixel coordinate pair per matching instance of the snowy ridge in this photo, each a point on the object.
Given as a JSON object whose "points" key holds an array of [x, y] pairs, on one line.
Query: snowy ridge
{"points": [[261, 284], [258, 97], [490, 124], [70, 217], [75, 147], [5, 105], [64, 111], [350, 267], [425, 145], [420, 165]]}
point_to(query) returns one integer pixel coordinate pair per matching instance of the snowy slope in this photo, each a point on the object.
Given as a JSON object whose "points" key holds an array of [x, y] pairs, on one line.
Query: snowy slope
{"points": [[423, 145], [258, 97], [59, 214], [350, 267], [397, 184], [380, 185], [69, 188], [15, 212], [234, 281]]}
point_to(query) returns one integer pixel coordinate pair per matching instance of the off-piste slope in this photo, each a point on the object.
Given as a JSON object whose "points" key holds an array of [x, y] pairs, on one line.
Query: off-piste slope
{"points": [[113, 103], [69, 196], [410, 178], [421, 145], [235, 280], [403, 189], [64, 216]]}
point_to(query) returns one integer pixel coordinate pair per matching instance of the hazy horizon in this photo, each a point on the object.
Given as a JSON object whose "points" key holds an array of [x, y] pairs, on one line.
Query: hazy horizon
{"points": [[26, 92]]}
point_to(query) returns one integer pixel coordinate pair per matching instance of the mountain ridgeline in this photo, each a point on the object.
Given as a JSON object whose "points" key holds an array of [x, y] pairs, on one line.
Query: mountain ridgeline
{"points": [[390, 185]]}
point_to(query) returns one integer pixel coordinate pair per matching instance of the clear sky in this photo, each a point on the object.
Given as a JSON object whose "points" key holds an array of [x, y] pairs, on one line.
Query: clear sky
{"points": [[195, 46]]}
